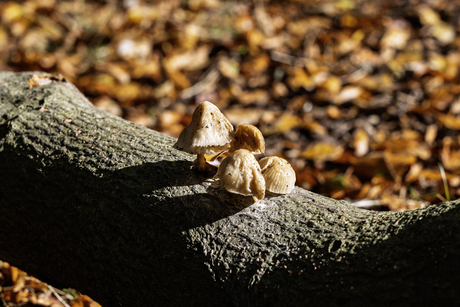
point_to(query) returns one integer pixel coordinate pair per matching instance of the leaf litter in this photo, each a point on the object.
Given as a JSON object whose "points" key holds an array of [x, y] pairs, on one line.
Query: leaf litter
{"points": [[19, 289], [331, 84]]}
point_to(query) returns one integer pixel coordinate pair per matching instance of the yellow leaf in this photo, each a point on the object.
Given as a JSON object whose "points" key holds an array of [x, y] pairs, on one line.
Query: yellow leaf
{"points": [[428, 16], [322, 151], [449, 121], [300, 78], [333, 85], [11, 12], [285, 123]]}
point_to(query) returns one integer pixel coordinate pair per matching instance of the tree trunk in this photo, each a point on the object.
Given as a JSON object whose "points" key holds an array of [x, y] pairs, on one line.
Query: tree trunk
{"points": [[94, 202]]}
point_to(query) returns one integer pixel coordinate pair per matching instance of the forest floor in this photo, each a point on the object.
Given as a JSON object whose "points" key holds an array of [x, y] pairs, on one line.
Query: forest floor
{"points": [[360, 96]]}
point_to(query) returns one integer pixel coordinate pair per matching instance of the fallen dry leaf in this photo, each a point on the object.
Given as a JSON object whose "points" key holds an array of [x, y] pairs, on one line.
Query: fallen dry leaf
{"points": [[84, 301], [360, 143], [41, 80], [322, 151], [284, 123], [343, 71]]}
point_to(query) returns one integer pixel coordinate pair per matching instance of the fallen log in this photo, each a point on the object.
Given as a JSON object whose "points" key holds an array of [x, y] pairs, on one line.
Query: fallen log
{"points": [[94, 202]]}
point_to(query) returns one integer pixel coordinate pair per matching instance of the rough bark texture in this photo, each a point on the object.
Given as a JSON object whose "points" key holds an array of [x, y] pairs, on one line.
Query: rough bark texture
{"points": [[91, 201]]}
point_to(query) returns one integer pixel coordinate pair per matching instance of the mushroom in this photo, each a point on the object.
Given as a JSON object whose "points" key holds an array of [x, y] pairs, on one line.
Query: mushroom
{"points": [[250, 138], [278, 174], [208, 130], [240, 173]]}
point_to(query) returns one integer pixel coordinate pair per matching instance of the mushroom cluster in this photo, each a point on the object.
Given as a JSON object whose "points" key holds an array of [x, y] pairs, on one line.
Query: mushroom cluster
{"points": [[239, 172]]}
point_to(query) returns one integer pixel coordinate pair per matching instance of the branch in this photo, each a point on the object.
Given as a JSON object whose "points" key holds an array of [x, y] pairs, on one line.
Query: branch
{"points": [[91, 201]]}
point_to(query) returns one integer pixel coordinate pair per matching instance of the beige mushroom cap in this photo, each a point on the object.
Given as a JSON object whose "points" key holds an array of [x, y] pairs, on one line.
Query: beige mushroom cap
{"points": [[279, 175], [208, 130], [250, 138], [240, 173]]}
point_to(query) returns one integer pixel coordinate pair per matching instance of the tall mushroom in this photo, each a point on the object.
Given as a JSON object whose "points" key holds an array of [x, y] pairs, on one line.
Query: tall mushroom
{"points": [[208, 130], [240, 173], [250, 138], [278, 174]]}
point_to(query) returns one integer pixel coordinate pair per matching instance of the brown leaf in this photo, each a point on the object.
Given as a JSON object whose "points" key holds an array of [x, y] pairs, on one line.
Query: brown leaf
{"points": [[118, 72], [149, 69], [431, 133], [398, 164], [36, 284], [229, 68], [84, 301], [280, 90], [333, 112], [238, 116], [360, 143], [254, 38], [127, 94], [40, 80], [14, 273], [370, 165], [300, 78], [397, 34], [190, 60], [348, 43], [450, 157], [169, 123], [179, 79], [190, 36], [260, 97], [257, 66], [413, 173], [315, 127], [284, 123]]}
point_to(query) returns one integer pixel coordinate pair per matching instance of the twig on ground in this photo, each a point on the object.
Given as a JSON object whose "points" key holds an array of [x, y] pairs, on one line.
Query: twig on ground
{"points": [[58, 296]]}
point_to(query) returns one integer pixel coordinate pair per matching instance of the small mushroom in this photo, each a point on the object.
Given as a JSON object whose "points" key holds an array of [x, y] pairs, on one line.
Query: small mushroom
{"points": [[250, 138], [278, 174], [208, 130], [240, 173]]}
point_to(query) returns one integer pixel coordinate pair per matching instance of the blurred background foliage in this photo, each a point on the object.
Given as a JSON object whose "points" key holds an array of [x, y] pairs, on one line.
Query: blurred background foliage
{"points": [[360, 96]]}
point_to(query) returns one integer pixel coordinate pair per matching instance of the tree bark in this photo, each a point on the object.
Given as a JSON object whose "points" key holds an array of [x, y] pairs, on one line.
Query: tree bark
{"points": [[94, 202]]}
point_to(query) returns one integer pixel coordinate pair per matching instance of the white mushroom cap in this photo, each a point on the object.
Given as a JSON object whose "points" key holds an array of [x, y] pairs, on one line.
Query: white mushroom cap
{"points": [[250, 138], [240, 173], [208, 130], [279, 175]]}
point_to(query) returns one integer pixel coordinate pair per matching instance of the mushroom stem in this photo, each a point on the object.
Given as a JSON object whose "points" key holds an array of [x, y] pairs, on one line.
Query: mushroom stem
{"points": [[201, 162]]}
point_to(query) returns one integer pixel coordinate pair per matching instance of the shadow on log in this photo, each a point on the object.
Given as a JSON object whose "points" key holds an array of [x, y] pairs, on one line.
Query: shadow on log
{"points": [[93, 202]]}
